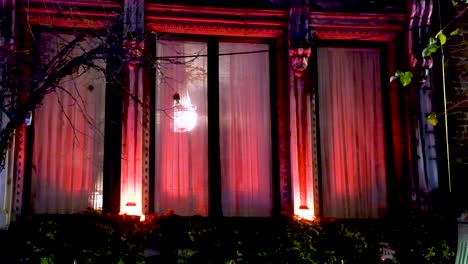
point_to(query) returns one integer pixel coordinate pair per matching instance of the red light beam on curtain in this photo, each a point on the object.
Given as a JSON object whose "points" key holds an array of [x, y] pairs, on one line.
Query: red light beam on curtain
{"points": [[132, 148]]}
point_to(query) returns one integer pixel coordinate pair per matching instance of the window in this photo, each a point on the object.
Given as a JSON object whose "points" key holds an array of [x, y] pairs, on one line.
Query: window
{"points": [[352, 151], [6, 174], [68, 151], [243, 112]]}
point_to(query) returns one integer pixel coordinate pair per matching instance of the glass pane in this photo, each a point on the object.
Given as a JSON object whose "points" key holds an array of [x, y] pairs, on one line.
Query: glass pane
{"points": [[181, 136], [69, 137], [245, 130], [351, 133]]}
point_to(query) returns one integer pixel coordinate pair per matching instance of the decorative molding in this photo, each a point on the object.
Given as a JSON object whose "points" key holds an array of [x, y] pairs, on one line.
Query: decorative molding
{"points": [[70, 14], [315, 160], [214, 30], [146, 151], [418, 33], [359, 18], [179, 10], [67, 22], [284, 151], [354, 35], [202, 20], [352, 26], [20, 146], [214, 21], [101, 4], [359, 5]]}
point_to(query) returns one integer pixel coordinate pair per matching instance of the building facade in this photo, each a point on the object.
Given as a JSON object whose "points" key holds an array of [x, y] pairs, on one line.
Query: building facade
{"points": [[210, 108]]}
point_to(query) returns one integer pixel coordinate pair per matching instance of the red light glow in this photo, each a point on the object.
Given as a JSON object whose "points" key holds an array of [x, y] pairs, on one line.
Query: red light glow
{"points": [[307, 214], [132, 209]]}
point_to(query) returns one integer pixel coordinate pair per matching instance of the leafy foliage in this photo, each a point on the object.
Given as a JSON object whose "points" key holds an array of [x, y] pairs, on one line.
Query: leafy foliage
{"points": [[434, 45], [95, 238], [432, 118], [404, 77]]}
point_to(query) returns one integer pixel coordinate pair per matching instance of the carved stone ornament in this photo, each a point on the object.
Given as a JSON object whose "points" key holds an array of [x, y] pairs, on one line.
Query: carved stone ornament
{"points": [[299, 60]]}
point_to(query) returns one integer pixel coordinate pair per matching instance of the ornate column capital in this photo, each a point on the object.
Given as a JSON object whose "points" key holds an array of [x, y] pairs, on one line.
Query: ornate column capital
{"points": [[300, 46]]}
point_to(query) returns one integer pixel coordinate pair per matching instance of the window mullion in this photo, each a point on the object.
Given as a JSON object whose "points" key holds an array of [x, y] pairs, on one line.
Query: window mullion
{"points": [[214, 162]]}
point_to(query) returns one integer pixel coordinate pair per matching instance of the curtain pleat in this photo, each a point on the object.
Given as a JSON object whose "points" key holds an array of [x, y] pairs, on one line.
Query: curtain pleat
{"points": [[181, 177], [181, 165], [351, 133], [245, 130], [69, 138]]}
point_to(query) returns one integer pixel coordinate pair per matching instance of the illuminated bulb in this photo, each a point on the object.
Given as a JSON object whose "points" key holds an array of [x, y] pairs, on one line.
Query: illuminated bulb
{"points": [[305, 214], [185, 116], [131, 209]]}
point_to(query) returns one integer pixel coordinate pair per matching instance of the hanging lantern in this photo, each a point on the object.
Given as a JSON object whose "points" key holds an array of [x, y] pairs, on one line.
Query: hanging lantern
{"points": [[185, 115], [299, 42]]}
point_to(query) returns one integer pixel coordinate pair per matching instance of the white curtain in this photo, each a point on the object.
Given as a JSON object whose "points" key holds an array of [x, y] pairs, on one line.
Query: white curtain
{"points": [[351, 133], [181, 165], [245, 130], [69, 138]]}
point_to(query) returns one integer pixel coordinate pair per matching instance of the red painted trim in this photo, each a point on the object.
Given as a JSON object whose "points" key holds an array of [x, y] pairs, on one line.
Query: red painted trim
{"points": [[233, 22], [355, 35], [39, 13], [43, 11], [110, 4], [357, 17], [214, 30], [358, 27], [216, 11], [67, 22], [348, 26], [215, 21]]}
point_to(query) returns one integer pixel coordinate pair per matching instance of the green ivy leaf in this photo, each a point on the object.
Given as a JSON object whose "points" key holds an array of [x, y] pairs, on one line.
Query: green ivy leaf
{"points": [[405, 79], [46, 260], [455, 32], [432, 118], [397, 75], [454, 3], [430, 49], [432, 41], [442, 38]]}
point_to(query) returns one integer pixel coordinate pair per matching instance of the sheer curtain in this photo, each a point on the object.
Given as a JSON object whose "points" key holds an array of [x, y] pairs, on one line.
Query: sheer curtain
{"points": [[351, 133], [181, 165], [69, 139], [245, 130]]}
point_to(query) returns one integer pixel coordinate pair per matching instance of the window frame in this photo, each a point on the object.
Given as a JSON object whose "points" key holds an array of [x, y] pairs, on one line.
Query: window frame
{"points": [[386, 111], [214, 162]]}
